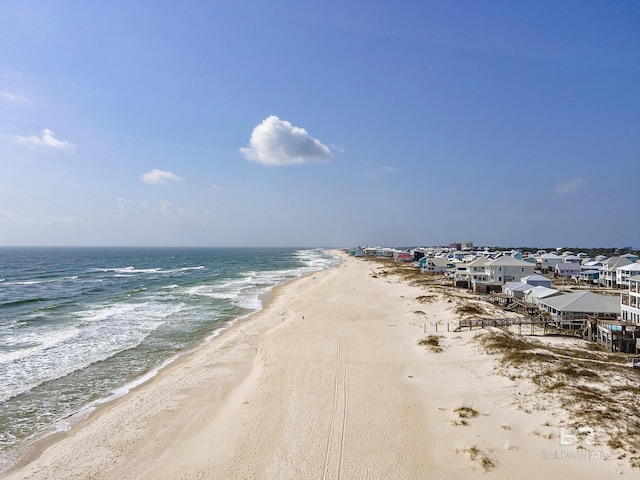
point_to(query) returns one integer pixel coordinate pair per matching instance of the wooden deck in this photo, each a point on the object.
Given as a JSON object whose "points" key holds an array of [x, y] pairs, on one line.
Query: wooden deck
{"points": [[532, 322]]}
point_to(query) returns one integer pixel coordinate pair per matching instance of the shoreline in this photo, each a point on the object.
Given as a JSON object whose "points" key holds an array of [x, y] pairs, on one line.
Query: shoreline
{"points": [[326, 380], [30, 448]]}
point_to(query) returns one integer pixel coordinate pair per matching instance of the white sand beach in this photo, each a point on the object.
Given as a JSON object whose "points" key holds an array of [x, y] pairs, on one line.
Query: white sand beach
{"points": [[327, 382]]}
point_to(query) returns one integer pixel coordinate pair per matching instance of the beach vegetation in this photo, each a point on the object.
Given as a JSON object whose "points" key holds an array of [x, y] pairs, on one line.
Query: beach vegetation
{"points": [[476, 455], [470, 309], [615, 443], [466, 412], [487, 463], [432, 342], [594, 387], [427, 298]]}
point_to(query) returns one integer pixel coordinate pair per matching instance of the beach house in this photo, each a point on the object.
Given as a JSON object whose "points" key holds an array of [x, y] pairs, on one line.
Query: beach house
{"points": [[499, 271], [400, 256], [608, 276], [537, 294], [567, 269], [433, 265], [548, 261], [579, 305], [537, 280], [624, 273], [520, 289], [630, 301], [516, 289]]}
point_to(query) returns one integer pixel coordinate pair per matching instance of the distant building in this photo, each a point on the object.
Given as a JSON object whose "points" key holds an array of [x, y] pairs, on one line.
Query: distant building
{"points": [[608, 277], [623, 274], [567, 269], [537, 294], [630, 302], [400, 256], [499, 271], [461, 246], [581, 303], [548, 261], [433, 265], [537, 280]]}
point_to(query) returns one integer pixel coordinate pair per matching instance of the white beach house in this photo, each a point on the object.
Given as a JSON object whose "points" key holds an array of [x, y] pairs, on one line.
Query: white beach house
{"points": [[467, 269], [608, 277], [499, 271], [433, 265], [630, 302], [624, 273], [548, 261]]}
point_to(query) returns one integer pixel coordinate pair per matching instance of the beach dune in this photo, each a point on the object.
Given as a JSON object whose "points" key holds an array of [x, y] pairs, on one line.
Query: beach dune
{"points": [[328, 381]]}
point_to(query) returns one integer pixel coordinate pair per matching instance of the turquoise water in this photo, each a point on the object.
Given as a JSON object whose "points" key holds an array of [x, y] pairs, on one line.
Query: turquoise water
{"points": [[79, 325]]}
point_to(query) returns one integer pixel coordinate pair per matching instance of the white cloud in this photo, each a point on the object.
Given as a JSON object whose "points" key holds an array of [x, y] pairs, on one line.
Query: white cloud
{"points": [[382, 170], [570, 186], [14, 97], [276, 142], [47, 140], [159, 177]]}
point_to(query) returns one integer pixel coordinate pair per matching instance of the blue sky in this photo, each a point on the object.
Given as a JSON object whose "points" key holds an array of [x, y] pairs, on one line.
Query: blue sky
{"points": [[287, 123]]}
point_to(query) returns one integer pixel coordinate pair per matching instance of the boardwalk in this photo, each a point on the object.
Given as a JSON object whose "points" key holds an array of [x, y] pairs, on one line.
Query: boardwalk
{"points": [[472, 323]]}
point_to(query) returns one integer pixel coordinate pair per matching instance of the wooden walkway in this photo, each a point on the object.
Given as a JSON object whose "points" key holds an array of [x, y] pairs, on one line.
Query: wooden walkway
{"points": [[472, 323]]}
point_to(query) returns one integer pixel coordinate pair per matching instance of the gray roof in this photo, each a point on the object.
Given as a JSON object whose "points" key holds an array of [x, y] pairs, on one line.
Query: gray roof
{"points": [[510, 261], [478, 262], [535, 277], [584, 302], [614, 262], [518, 286], [630, 267], [543, 292]]}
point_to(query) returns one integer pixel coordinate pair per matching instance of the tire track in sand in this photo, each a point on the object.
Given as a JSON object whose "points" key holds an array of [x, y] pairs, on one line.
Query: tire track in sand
{"points": [[335, 440]]}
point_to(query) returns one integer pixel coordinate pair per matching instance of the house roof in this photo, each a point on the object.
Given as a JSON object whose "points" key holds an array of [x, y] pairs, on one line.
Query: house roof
{"points": [[584, 302], [478, 262], [594, 263], [518, 286], [535, 277], [567, 266], [543, 292], [613, 262], [509, 261], [438, 262], [633, 267]]}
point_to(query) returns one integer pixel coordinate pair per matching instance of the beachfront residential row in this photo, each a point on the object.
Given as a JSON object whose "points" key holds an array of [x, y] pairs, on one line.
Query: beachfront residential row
{"points": [[511, 274]]}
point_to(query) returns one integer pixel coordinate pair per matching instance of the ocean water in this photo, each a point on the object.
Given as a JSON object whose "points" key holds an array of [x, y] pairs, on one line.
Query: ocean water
{"points": [[79, 326]]}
